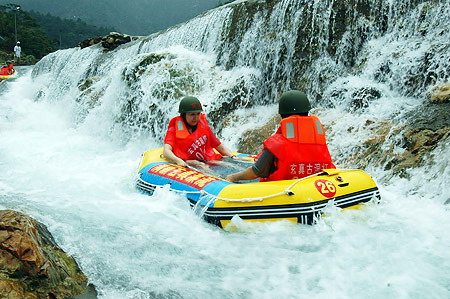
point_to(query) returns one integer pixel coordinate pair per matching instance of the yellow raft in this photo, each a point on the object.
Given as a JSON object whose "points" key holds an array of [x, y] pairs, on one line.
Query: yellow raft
{"points": [[299, 200], [5, 77]]}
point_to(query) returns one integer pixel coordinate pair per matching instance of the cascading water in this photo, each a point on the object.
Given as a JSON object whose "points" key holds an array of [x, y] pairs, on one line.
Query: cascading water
{"points": [[73, 128]]}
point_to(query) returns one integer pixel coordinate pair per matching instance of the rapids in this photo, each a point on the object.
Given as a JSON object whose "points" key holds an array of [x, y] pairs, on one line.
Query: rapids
{"points": [[71, 164]]}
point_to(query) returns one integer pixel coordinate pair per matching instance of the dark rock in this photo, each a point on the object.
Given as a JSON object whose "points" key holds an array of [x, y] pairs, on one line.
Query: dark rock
{"points": [[363, 96], [424, 130], [87, 83], [130, 75], [108, 42], [239, 96], [430, 117], [252, 140], [31, 263]]}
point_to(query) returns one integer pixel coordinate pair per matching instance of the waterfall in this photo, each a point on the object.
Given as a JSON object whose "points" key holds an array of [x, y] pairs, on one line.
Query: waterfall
{"points": [[371, 61]]}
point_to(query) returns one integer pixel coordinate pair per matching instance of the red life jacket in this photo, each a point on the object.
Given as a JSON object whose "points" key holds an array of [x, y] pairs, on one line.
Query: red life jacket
{"points": [[300, 147], [194, 146], [7, 70]]}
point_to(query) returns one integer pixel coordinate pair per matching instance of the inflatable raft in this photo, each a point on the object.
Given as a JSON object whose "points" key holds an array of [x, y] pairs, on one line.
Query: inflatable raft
{"points": [[11, 76], [218, 201]]}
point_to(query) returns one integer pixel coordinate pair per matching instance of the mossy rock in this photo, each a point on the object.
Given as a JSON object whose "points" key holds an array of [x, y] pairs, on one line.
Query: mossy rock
{"points": [[32, 265], [252, 140]]}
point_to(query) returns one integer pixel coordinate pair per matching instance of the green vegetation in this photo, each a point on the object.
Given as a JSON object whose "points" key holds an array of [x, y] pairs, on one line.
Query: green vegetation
{"points": [[68, 33], [40, 34], [34, 42]]}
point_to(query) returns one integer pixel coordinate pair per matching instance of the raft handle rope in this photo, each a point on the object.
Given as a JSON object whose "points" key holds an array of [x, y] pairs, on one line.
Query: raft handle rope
{"points": [[202, 193]]}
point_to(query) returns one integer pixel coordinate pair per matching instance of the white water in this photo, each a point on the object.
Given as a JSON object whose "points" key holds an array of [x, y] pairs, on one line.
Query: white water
{"points": [[73, 168]]}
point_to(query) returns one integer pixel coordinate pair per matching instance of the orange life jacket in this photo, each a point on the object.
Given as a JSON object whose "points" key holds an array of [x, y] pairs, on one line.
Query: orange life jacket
{"points": [[194, 146], [300, 148]]}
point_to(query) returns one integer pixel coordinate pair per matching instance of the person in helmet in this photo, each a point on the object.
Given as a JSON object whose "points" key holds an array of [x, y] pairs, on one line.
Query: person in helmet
{"points": [[296, 150], [189, 140], [7, 69], [17, 51]]}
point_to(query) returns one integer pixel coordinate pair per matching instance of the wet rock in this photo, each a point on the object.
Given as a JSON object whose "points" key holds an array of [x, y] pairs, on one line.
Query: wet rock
{"points": [[418, 144], [32, 265], [132, 73], [238, 96], [251, 141], [374, 150], [362, 97], [237, 27], [429, 116], [356, 99], [88, 98], [109, 42], [14, 290], [87, 83], [440, 94], [402, 146]]}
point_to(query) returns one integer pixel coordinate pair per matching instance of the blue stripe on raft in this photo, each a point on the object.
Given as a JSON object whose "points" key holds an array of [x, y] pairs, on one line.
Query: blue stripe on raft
{"points": [[214, 189], [162, 181]]}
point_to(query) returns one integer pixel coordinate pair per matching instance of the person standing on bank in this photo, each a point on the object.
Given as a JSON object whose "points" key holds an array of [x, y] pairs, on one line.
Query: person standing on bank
{"points": [[17, 51], [189, 140], [297, 149]]}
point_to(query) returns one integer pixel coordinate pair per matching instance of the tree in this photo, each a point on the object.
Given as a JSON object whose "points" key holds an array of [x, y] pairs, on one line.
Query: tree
{"points": [[68, 33], [33, 39]]}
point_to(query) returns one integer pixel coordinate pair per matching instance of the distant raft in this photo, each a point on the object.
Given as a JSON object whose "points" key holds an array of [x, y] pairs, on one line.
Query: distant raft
{"points": [[11, 76], [298, 200]]}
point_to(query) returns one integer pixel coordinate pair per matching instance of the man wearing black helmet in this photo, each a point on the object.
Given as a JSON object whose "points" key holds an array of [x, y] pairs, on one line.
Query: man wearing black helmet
{"points": [[298, 148], [189, 139]]}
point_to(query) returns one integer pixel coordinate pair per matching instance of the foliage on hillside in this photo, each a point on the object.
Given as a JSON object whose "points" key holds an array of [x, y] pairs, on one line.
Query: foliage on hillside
{"points": [[136, 17], [34, 41], [67, 33]]}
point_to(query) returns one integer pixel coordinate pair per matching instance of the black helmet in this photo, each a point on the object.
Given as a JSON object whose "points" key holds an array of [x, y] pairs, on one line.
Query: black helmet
{"points": [[293, 102], [190, 104]]}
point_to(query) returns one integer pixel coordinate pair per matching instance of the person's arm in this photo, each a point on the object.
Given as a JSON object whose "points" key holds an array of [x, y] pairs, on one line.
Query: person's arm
{"points": [[263, 167], [225, 151], [247, 174], [169, 155]]}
